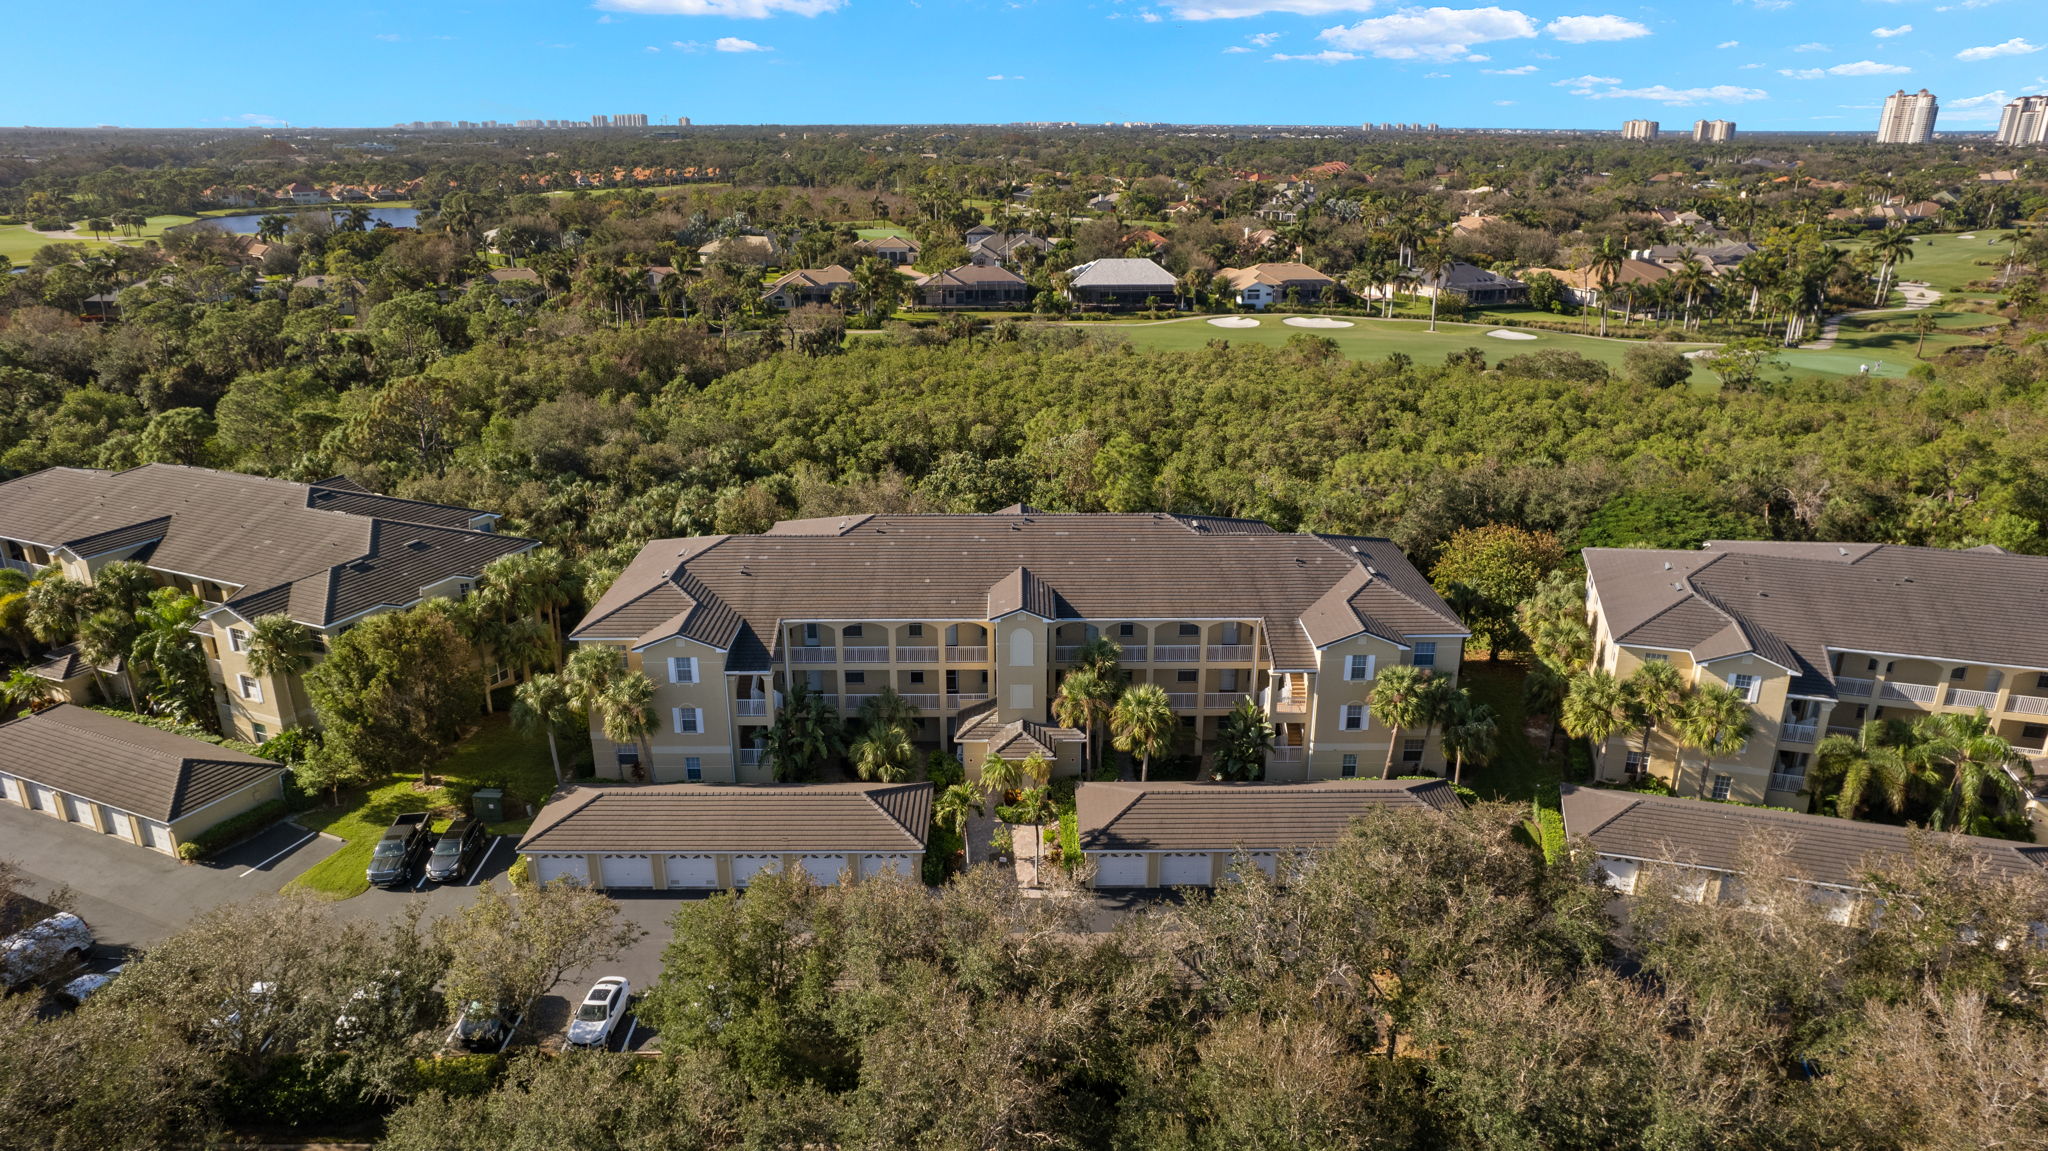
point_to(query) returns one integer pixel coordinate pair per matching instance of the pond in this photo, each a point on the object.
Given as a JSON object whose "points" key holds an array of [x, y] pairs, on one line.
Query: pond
{"points": [[247, 223]]}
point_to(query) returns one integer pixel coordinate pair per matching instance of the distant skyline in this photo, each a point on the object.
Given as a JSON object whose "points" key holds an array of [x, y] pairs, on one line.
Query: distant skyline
{"points": [[1784, 65]]}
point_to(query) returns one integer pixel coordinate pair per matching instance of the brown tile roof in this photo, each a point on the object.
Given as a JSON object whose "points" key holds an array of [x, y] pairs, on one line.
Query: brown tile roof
{"points": [[831, 278], [1702, 833], [67, 662], [1794, 603], [1100, 567], [322, 552], [1274, 275], [697, 817], [1587, 279], [124, 765], [1252, 816], [973, 276]]}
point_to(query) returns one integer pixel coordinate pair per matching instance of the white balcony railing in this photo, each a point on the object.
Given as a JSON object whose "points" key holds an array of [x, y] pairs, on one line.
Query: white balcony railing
{"points": [[1911, 692], [917, 654], [2027, 704], [922, 701], [1230, 652], [1223, 699], [23, 566], [1182, 700], [750, 757], [1963, 697], [1291, 704], [812, 655], [1176, 652], [865, 654], [1066, 652], [1783, 782], [961, 653], [1287, 755], [959, 699], [746, 708], [852, 702], [1857, 688], [1797, 732], [1132, 653]]}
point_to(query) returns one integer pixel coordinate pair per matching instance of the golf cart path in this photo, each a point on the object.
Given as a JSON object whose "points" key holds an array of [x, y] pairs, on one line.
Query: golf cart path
{"points": [[1918, 297]]}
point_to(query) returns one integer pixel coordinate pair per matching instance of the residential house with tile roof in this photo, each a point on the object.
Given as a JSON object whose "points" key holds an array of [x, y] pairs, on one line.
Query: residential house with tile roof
{"points": [[1114, 284], [974, 619], [326, 554], [1260, 286], [1583, 286], [892, 249], [807, 286], [1820, 637], [973, 286]]}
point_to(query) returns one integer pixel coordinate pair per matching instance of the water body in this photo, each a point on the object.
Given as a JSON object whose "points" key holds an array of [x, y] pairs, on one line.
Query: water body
{"points": [[247, 223]]}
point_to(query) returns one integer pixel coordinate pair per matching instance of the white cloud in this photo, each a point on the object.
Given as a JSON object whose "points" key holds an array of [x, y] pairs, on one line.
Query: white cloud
{"points": [[257, 120], [1768, 5], [1729, 44], [1236, 48], [1813, 47], [389, 37], [1150, 17], [1888, 33], [1592, 29], [651, 48], [730, 9], [1324, 57], [735, 44], [1000, 76], [1584, 81], [1436, 75], [1985, 108], [2017, 46], [1503, 103], [1524, 70], [1858, 68], [1431, 33], [1748, 67], [1262, 39], [1240, 9], [1718, 94]]}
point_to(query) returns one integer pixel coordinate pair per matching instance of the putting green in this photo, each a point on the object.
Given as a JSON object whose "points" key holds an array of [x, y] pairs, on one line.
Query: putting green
{"points": [[1376, 339]]}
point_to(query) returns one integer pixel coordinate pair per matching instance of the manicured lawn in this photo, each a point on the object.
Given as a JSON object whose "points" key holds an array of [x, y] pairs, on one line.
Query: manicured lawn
{"points": [[1376, 339], [1518, 770], [19, 244], [495, 756], [1947, 262]]}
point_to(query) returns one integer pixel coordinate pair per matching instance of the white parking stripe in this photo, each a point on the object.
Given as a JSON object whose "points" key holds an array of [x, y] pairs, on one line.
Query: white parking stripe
{"points": [[632, 1026], [310, 837], [478, 871], [422, 881], [510, 1032]]}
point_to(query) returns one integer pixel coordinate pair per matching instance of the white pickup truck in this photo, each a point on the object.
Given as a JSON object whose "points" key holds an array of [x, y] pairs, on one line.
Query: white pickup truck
{"points": [[44, 949]]}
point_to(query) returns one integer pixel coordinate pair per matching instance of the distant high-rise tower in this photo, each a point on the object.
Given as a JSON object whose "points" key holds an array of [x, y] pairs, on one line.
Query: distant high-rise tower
{"points": [[1713, 131], [2024, 121], [1908, 118], [682, 121], [1639, 130]]}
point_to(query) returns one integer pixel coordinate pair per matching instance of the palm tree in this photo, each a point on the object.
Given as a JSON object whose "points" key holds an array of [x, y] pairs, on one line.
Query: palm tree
{"points": [[1654, 694], [1606, 266], [103, 639], [282, 648], [1594, 707], [806, 733], [1716, 719], [167, 649], [885, 754], [953, 809], [1470, 731], [24, 689], [1085, 698], [1868, 762], [1434, 262], [1143, 724], [1891, 247], [271, 228], [123, 585], [544, 703], [1978, 761], [1242, 742], [1000, 776], [1397, 701], [1035, 808], [888, 709], [626, 705]]}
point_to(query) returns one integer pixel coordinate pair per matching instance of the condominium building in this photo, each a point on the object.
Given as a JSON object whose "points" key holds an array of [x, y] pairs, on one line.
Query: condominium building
{"points": [[1908, 117], [974, 619], [326, 554], [2024, 121], [1819, 638], [1639, 130], [1713, 131]]}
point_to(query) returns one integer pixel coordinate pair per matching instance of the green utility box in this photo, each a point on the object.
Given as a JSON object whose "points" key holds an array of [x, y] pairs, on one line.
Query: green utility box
{"points": [[488, 804]]}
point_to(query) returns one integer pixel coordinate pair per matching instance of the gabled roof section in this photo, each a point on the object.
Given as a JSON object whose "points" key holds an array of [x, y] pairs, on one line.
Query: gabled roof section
{"points": [[1021, 590], [1380, 593], [120, 539], [1023, 738], [696, 817], [1250, 816], [129, 766]]}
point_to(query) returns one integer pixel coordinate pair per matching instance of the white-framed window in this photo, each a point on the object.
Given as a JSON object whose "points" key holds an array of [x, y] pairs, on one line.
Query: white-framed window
{"points": [[688, 720], [1190, 629], [693, 769], [1425, 653], [258, 733], [628, 754], [1411, 750], [1355, 717], [916, 631], [1187, 675], [917, 679], [1349, 769], [251, 690], [1745, 686], [1656, 657], [1126, 630], [856, 679], [852, 631], [682, 669], [810, 635], [238, 640], [1635, 763], [1723, 785], [1359, 667]]}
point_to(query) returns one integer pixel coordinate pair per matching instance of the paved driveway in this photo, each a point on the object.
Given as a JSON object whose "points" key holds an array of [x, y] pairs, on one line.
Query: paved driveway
{"points": [[132, 896]]}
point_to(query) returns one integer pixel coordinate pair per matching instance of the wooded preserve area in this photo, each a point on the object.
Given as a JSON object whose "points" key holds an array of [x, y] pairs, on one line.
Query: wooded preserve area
{"points": [[1431, 982]]}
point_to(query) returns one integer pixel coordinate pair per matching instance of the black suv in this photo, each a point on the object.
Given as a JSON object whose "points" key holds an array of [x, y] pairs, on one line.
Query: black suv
{"points": [[457, 850]]}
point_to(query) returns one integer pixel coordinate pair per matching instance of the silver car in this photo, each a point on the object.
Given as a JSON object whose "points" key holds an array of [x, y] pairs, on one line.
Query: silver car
{"points": [[598, 1015]]}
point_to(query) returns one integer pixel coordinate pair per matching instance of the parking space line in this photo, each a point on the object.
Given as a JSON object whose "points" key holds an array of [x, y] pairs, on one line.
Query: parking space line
{"points": [[632, 1025], [310, 837], [422, 882], [510, 1032], [477, 872]]}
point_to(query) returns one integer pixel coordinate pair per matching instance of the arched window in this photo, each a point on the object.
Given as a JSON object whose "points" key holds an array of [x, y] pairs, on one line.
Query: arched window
{"points": [[1021, 654]]}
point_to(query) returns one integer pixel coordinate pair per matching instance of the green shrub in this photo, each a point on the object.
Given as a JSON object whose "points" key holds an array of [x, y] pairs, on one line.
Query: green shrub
{"points": [[520, 874], [231, 831], [460, 1076], [1070, 840], [1548, 826], [187, 730], [938, 853]]}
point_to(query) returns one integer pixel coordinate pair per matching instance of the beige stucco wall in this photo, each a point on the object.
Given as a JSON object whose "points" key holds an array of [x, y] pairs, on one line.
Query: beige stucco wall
{"points": [[711, 694], [252, 796], [1329, 691]]}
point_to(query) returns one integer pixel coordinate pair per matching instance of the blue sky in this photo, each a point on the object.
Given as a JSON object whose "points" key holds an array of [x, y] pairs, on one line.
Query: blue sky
{"points": [[1785, 64]]}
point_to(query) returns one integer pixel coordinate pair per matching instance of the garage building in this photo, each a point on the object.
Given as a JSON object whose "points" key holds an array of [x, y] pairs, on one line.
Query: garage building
{"points": [[1189, 834], [128, 780], [684, 836]]}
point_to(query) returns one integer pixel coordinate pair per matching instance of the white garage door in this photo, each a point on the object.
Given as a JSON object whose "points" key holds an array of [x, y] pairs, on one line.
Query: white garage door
{"points": [[1184, 870], [42, 798], [1119, 871], [626, 870], [1621, 873], [746, 867], [691, 870], [823, 869], [873, 865], [548, 868], [118, 824], [159, 836], [11, 788], [77, 810]]}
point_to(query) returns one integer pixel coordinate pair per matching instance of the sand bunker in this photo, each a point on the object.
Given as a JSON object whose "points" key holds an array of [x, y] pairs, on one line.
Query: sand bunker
{"points": [[1967, 236], [1315, 322], [1700, 353], [1504, 334], [1235, 322]]}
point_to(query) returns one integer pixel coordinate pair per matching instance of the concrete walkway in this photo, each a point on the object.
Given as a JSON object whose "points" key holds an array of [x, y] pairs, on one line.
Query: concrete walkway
{"points": [[1918, 298]]}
